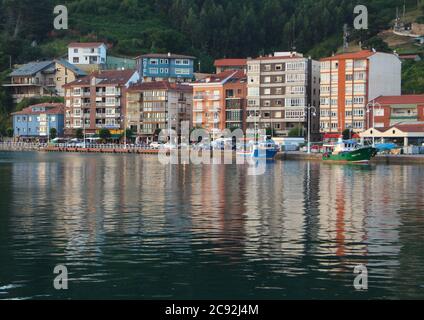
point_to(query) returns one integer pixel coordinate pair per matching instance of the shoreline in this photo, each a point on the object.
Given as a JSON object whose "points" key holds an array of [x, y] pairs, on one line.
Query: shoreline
{"points": [[281, 156]]}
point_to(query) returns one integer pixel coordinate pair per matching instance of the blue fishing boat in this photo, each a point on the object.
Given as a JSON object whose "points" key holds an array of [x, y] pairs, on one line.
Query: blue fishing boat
{"points": [[267, 149]]}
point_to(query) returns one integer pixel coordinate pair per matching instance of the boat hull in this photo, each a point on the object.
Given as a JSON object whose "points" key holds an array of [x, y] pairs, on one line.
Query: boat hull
{"points": [[268, 154], [359, 155]]}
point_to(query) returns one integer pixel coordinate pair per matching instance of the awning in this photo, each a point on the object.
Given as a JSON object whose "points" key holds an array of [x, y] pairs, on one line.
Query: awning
{"points": [[332, 136]]}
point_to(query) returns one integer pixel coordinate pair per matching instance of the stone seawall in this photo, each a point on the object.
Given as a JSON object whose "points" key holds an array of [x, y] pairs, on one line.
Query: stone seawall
{"points": [[386, 159]]}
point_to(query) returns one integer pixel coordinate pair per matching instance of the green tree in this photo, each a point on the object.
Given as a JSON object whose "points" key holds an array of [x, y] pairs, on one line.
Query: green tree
{"points": [[104, 134], [9, 132], [346, 134], [53, 133], [296, 131], [79, 134]]}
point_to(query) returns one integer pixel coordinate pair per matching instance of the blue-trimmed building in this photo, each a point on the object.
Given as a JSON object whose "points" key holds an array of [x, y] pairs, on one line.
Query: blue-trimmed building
{"points": [[170, 67], [36, 121]]}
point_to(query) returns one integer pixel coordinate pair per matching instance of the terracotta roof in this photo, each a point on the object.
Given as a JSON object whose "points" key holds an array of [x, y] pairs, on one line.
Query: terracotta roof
{"points": [[165, 56], [53, 108], [408, 56], [354, 55], [404, 99], [220, 77], [412, 127], [230, 62], [85, 44], [113, 77], [160, 85]]}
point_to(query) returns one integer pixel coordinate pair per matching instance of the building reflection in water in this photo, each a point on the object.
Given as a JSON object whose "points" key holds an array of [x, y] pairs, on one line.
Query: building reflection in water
{"points": [[298, 218]]}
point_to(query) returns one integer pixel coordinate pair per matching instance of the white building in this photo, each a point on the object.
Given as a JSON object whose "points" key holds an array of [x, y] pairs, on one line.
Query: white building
{"points": [[89, 53], [349, 81]]}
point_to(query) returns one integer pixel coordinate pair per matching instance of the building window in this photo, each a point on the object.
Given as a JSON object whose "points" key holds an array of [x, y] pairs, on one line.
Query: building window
{"points": [[153, 70], [153, 61], [76, 60], [182, 71], [279, 67], [379, 112]]}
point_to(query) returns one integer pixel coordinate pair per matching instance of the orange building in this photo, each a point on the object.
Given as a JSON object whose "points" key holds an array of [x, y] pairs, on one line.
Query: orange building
{"points": [[349, 81], [219, 102]]}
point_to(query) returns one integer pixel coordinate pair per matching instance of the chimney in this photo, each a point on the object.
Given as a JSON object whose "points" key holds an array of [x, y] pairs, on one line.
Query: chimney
{"points": [[169, 54]]}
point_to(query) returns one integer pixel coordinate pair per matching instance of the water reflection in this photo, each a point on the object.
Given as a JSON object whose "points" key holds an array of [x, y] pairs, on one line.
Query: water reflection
{"points": [[127, 226]]}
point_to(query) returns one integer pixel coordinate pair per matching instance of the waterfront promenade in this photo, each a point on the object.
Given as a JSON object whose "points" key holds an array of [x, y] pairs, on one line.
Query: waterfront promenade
{"points": [[122, 149]]}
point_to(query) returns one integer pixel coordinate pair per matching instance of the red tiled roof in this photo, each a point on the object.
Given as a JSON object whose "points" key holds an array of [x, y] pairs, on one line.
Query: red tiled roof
{"points": [[230, 62], [412, 127], [160, 85], [218, 78], [53, 108], [404, 99], [354, 55], [85, 44], [408, 56], [112, 77]]}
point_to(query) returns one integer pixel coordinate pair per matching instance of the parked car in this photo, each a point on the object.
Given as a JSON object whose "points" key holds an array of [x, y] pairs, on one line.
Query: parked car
{"points": [[156, 145]]}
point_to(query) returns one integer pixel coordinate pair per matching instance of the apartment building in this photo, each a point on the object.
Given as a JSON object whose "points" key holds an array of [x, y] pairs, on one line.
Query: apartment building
{"points": [[44, 78], [170, 67], [98, 101], [280, 87], [219, 102], [158, 105], [349, 81], [87, 55]]}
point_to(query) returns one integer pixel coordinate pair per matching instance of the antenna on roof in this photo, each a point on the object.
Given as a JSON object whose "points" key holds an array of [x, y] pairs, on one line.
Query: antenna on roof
{"points": [[346, 35]]}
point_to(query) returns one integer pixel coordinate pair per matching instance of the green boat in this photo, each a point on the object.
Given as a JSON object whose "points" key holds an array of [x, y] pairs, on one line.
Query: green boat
{"points": [[350, 151]]}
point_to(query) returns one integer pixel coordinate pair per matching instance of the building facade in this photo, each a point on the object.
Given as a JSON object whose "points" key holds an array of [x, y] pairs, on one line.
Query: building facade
{"points": [[219, 102], [222, 65], [280, 87], [88, 56], [169, 67], [45, 78], [98, 101], [349, 81], [388, 111], [155, 106], [36, 121]]}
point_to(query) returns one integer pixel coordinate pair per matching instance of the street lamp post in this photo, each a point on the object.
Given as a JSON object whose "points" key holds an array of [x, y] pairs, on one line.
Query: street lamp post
{"points": [[83, 129], [311, 111], [368, 110]]}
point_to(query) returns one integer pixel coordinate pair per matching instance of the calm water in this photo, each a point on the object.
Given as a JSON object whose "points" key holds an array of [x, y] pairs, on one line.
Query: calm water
{"points": [[129, 227]]}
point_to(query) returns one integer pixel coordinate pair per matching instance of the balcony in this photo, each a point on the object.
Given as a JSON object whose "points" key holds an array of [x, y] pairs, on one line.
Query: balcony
{"points": [[199, 97], [214, 97]]}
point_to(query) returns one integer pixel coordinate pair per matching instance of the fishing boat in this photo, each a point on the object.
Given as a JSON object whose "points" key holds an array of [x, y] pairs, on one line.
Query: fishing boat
{"points": [[266, 149], [349, 151]]}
